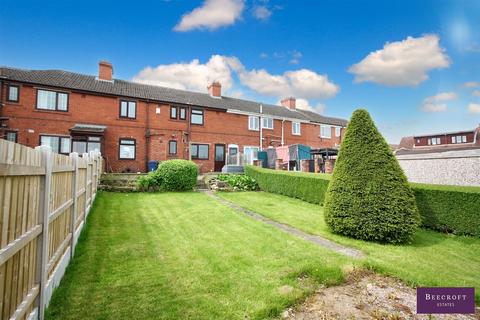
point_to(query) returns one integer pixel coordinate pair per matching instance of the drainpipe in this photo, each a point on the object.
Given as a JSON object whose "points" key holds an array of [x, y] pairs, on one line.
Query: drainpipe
{"points": [[261, 127], [147, 135], [283, 121]]}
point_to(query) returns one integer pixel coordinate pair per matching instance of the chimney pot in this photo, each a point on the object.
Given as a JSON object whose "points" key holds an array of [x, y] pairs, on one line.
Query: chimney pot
{"points": [[290, 103], [215, 89], [105, 70]]}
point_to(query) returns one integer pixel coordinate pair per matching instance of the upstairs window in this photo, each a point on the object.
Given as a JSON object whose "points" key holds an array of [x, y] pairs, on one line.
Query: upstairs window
{"points": [[183, 113], [173, 113], [57, 143], [459, 139], [13, 93], [296, 128], [128, 109], [253, 123], [197, 116], [338, 131], [52, 100], [434, 141], [325, 131], [127, 149], [267, 123]]}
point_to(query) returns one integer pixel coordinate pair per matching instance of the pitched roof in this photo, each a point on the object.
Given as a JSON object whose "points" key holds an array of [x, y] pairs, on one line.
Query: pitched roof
{"points": [[315, 117], [76, 81]]}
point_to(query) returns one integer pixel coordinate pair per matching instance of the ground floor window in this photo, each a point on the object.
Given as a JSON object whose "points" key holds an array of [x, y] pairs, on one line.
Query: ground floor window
{"points": [[11, 136], [127, 149], [82, 144], [250, 154], [199, 151], [58, 144], [172, 147]]}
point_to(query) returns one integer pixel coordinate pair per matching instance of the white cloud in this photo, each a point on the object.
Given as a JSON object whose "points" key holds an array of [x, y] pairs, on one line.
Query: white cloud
{"points": [[262, 12], [212, 15], [437, 103], [442, 96], [195, 76], [303, 104], [296, 55], [476, 93], [474, 108], [471, 84], [191, 75], [302, 83], [434, 107], [402, 63]]}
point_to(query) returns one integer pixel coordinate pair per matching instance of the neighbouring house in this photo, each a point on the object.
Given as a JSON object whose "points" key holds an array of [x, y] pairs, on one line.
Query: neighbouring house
{"points": [[451, 158], [132, 123]]}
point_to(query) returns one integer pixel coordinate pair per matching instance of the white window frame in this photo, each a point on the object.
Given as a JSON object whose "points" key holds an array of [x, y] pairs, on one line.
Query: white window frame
{"points": [[294, 124], [253, 123], [266, 120], [328, 129], [338, 131], [253, 148]]}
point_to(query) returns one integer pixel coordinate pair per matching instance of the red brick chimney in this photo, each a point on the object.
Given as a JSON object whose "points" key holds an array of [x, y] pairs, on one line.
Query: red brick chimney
{"points": [[215, 89], [290, 103], [105, 70]]}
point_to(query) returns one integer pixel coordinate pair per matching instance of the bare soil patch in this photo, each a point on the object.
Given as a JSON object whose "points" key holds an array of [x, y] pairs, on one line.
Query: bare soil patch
{"points": [[365, 296]]}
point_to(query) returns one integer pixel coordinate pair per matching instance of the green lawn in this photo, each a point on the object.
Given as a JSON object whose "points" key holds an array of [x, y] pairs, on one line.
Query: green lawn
{"points": [[432, 259], [185, 256]]}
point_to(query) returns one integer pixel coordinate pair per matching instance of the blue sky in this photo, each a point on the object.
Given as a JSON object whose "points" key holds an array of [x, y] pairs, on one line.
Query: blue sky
{"points": [[407, 62]]}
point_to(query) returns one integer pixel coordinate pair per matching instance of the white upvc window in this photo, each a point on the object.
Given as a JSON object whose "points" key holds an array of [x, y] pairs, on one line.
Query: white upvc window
{"points": [[338, 131], [250, 153], [296, 128], [253, 123], [325, 131], [267, 123]]}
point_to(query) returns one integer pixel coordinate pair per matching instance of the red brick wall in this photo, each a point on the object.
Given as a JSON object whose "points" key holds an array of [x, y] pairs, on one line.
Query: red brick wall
{"points": [[219, 128]]}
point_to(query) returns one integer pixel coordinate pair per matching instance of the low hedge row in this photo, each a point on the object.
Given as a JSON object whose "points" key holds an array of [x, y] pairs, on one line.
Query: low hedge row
{"points": [[446, 208], [310, 187]]}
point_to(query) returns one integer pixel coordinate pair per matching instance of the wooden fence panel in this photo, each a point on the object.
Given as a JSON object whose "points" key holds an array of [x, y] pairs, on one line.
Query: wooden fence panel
{"points": [[32, 262]]}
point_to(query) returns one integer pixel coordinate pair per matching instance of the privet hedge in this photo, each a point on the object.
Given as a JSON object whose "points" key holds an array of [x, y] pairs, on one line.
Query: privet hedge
{"points": [[308, 187]]}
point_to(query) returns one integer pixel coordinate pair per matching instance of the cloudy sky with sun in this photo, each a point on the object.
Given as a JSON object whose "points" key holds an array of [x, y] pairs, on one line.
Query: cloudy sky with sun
{"points": [[415, 65]]}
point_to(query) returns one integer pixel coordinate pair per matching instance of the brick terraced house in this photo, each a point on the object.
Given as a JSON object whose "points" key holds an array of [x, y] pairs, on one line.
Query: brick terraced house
{"points": [[133, 123]]}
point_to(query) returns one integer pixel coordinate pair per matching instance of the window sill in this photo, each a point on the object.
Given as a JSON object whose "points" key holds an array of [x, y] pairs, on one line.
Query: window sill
{"points": [[256, 130], [65, 113], [296, 134], [325, 137], [127, 119], [131, 159], [267, 129]]}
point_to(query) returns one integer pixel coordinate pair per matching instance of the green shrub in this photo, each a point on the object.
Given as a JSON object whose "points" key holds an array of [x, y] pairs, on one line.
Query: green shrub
{"points": [[171, 175], [444, 208], [177, 175], [149, 182], [449, 208], [369, 197], [239, 182], [310, 187]]}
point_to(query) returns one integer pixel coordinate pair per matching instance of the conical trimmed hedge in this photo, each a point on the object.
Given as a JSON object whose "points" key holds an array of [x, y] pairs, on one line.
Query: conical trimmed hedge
{"points": [[369, 197]]}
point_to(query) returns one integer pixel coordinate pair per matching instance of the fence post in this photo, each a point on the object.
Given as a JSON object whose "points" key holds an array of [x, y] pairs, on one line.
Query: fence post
{"points": [[42, 242], [85, 210], [74, 157]]}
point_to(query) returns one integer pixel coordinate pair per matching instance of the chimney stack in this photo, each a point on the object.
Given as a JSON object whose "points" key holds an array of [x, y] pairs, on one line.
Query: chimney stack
{"points": [[105, 71], [290, 103], [215, 89]]}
